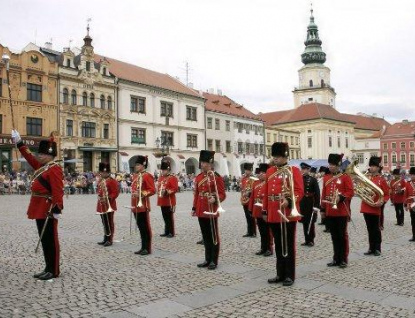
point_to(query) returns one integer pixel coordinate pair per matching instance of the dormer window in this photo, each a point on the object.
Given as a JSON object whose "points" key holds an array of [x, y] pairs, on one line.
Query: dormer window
{"points": [[88, 66], [104, 71], [68, 62]]}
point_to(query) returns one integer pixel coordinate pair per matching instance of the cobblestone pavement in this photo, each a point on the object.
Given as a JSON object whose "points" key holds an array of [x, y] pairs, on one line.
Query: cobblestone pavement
{"points": [[113, 282]]}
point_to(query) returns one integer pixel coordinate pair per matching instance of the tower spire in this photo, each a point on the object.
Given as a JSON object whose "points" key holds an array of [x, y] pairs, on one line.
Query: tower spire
{"points": [[313, 52], [87, 38]]}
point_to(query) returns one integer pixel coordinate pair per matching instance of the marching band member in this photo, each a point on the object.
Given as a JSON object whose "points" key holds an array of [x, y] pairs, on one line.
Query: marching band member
{"points": [[246, 191], [283, 191], [372, 214], [142, 188], [397, 187], [410, 200], [209, 192], [46, 202], [335, 197], [166, 197], [310, 200], [255, 205], [107, 204]]}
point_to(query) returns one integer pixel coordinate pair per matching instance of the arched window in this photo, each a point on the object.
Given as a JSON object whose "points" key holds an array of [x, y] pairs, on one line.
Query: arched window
{"points": [[311, 83], [109, 101], [84, 99], [102, 100], [73, 97], [322, 83], [65, 96], [92, 100]]}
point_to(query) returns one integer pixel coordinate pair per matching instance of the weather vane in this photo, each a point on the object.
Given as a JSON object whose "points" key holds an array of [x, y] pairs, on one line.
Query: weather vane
{"points": [[88, 20]]}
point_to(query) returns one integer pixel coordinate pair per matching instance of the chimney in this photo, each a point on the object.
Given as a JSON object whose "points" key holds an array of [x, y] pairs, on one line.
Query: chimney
{"points": [[190, 85], [48, 45], [219, 92], [405, 121]]}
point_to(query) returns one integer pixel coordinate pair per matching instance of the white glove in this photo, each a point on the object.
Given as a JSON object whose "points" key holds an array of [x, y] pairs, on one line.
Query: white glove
{"points": [[16, 136], [57, 215]]}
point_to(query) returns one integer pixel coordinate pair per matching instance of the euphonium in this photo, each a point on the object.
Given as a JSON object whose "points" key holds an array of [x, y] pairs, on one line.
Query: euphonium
{"points": [[363, 187]]}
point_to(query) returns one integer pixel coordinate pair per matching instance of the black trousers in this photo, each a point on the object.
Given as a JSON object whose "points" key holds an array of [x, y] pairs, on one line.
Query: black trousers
{"points": [[143, 223], [373, 229], [250, 221], [168, 217], [265, 232], [413, 222], [339, 237], [210, 234], [306, 219], [284, 240], [108, 223], [50, 245], [400, 215]]}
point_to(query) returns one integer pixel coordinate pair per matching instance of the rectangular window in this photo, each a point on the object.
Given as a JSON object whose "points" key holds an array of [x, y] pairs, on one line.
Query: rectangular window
{"points": [[106, 134], [166, 109], [217, 124], [167, 138], [33, 126], [240, 127], [88, 129], [296, 140], [228, 125], [191, 113], [394, 145], [261, 149], [209, 123], [330, 141], [394, 158], [88, 66], [210, 144], [138, 136], [361, 158], [403, 158], [310, 142], [402, 145], [256, 149], [346, 140], [412, 159], [411, 145], [69, 127], [217, 146], [338, 142], [34, 92], [191, 141], [228, 146], [268, 137], [385, 159], [292, 140], [138, 104], [134, 104], [240, 147], [385, 146]]}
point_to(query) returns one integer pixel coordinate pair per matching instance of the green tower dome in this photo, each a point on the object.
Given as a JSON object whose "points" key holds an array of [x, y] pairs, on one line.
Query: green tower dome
{"points": [[313, 52]]}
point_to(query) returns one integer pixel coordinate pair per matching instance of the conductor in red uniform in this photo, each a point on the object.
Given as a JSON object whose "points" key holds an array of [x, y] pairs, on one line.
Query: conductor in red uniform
{"points": [[255, 205], [46, 201], [166, 198], [283, 192], [107, 194], [397, 196], [209, 191], [335, 201], [372, 214], [142, 188]]}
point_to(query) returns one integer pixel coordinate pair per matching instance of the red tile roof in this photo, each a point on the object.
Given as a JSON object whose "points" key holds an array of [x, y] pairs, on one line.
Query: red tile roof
{"points": [[273, 117], [144, 76], [401, 128], [225, 105], [368, 123]]}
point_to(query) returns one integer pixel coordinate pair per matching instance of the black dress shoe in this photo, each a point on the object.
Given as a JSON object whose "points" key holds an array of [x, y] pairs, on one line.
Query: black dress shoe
{"points": [[212, 265], [46, 276], [369, 252], [333, 263], [343, 265], [412, 239], [39, 274], [170, 235], [303, 244], [164, 234], [326, 231], [275, 280], [376, 253], [204, 264], [246, 235], [138, 252], [102, 243], [287, 282], [200, 242], [401, 224], [108, 243], [260, 252], [267, 253], [310, 244], [144, 252]]}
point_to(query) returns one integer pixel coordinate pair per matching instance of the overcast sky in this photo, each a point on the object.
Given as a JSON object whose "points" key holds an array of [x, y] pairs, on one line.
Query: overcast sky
{"points": [[249, 49]]}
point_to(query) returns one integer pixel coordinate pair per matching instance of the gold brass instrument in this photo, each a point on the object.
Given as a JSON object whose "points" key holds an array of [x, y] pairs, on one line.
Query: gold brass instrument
{"points": [[364, 187], [289, 191], [245, 193], [103, 187], [220, 208], [139, 185], [161, 190], [333, 200]]}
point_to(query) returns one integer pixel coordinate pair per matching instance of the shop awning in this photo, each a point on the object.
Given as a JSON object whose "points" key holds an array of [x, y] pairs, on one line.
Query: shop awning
{"points": [[97, 149]]}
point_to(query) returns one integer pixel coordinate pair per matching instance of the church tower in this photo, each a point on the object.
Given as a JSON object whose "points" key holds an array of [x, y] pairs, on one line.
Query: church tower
{"points": [[314, 76]]}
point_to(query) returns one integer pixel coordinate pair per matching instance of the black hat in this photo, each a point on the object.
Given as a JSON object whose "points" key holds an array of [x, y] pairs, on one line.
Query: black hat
{"points": [[248, 166], [279, 149], [257, 171], [412, 170], [104, 167], [322, 169], [313, 170], [375, 161], [48, 147], [142, 160], [335, 159], [206, 156], [165, 165], [396, 171], [263, 167], [304, 165]]}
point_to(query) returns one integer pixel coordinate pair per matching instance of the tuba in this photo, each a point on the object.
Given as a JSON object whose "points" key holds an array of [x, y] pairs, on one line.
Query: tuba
{"points": [[364, 188]]}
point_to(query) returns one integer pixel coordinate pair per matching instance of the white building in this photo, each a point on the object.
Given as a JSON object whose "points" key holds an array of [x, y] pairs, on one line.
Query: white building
{"points": [[366, 147], [158, 117], [234, 133]]}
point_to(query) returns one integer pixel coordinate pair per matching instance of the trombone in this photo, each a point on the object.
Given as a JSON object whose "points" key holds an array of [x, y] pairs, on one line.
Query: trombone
{"points": [[139, 185], [107, 228]]}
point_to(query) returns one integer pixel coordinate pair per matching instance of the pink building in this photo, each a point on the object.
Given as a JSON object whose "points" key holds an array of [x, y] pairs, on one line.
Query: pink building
{"points": [[397, 146]]}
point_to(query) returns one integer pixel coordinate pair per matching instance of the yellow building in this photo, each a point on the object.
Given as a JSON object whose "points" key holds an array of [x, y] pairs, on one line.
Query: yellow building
{"points": [[34, 85]]}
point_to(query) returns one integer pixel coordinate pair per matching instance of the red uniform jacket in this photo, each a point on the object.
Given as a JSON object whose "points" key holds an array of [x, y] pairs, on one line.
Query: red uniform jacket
{"points": [[344, 184], [53, 175], [204, 188], [167, 187], [410, 193], [246, 190], [383, 185], [272, 190], [397, 191], [257, 197], [112, 188], [147, 190]]}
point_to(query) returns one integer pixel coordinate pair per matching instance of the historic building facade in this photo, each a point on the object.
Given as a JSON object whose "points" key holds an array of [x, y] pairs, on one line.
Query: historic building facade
{"points": [[34, 87]]}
